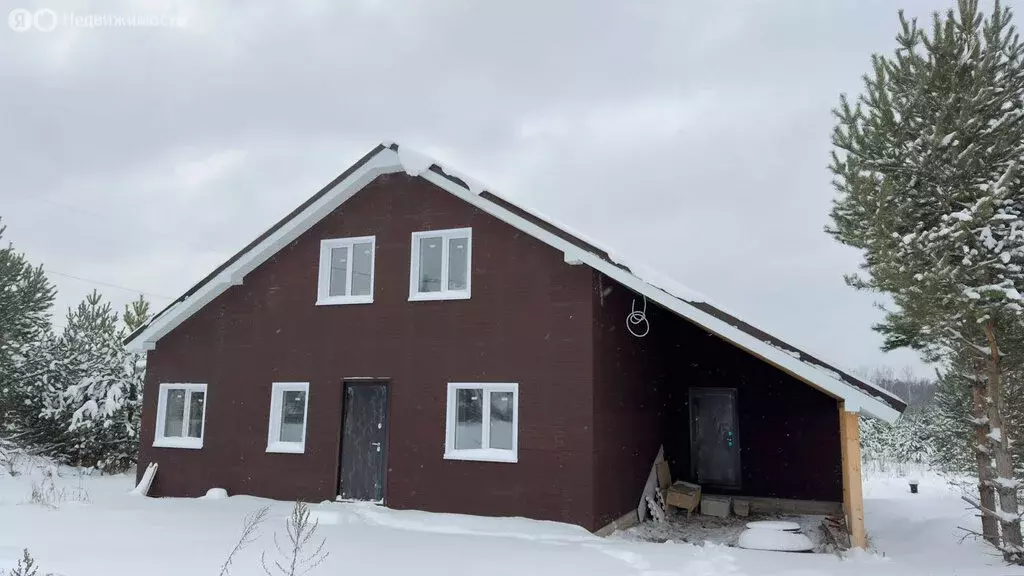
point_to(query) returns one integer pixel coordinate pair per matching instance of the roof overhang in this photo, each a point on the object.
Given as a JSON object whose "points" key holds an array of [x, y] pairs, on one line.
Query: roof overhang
{"points": [[146, 337], [384, 160]]}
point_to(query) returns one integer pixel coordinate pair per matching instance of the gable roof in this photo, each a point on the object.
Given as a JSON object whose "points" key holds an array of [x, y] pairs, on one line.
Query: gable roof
{"points": [[857, 394]]}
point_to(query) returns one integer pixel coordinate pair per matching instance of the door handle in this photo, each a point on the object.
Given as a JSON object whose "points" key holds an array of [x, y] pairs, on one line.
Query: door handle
{"points": [[377, 444]]}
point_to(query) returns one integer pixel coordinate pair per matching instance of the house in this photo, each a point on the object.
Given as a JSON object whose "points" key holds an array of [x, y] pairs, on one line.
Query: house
{"points": [[408, 337]]}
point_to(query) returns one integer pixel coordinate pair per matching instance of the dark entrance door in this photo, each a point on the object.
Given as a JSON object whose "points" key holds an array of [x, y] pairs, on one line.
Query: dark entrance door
{"points": [[364, 441], [714, 437]]}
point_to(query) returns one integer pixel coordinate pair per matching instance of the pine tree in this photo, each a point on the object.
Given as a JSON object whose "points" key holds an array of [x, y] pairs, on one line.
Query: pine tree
{"points": [[928, 170], [951, 432], [85, 366], [962, 426], [906, 441], [26, 300], [93, 392], [135, 315]]}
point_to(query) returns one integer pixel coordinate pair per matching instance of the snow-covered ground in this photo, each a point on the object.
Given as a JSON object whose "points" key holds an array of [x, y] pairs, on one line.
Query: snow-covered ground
{"points": [[100, 530]]}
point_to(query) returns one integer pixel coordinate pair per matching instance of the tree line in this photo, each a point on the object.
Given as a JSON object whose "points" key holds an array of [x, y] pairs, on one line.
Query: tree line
{"points": [[936, 430], [74, 394]]}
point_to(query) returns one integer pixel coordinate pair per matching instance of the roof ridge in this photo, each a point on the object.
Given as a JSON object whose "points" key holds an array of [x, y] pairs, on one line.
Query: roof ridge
{"points": [[665, 291]]}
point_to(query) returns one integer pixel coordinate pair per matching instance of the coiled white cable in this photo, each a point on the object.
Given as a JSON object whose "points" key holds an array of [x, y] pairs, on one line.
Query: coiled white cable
{"points": [[636, 318]]}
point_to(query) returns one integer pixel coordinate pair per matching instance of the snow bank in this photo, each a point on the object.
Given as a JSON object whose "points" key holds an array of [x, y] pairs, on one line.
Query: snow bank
{"points": [[519, 528], [215, 494], [860, 555], [324, 517], [918, 534]]}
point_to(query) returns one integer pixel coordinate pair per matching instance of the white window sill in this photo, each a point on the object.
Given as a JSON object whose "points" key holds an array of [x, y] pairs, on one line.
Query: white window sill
{"points": [[429, 296], [186, 443], [286, 448], [339, 300], [482, 455]]}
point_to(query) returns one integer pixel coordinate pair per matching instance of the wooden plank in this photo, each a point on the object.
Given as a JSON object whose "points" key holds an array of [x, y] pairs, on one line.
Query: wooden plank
{"points": [[664, 475], [764, 505], [834, 531], [853, 496], [842, 451], [627, 520]]}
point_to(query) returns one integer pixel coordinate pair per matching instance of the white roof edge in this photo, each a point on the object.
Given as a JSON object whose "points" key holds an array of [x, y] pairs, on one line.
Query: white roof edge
{"points": [[179, 311], [855, 399], [387, 160]]}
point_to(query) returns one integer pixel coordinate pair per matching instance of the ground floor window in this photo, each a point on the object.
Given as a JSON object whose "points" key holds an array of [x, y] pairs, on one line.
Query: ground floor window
{"points": [[289, 402], [181, 416], [482, 422]]}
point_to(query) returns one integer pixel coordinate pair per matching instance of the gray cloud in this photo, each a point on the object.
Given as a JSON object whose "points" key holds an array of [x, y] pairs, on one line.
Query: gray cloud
{"points": [[691, 136]]}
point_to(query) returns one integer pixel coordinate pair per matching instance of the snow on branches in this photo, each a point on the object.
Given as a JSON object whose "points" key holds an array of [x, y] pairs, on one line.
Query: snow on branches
{"points": [[95, 390], [928, 169]]}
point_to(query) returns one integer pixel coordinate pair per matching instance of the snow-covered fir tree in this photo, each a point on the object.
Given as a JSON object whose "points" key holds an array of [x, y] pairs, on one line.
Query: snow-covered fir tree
{"points": [[76, 396], [928, 167], [952, 433], [26, 346], [95, 387], [135, 315], [906, 441], [894, 446]]}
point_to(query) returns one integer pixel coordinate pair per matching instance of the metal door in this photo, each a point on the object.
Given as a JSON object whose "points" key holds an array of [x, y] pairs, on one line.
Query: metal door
{"points": [[364, 441], [714, 437]]}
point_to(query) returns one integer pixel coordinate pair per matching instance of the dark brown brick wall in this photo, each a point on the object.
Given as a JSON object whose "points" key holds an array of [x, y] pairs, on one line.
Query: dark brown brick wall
{"points": [[528, 321], [789, 431], [629, 375], [595, 402]]}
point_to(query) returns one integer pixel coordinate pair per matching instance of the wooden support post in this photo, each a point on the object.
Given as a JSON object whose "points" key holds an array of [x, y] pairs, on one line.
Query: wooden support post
{"points": [[853, 496], [846, 471]]}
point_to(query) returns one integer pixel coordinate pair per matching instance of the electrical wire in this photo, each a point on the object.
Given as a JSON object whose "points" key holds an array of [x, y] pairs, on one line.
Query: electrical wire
{"points": [[637, 318], [107, 284]]}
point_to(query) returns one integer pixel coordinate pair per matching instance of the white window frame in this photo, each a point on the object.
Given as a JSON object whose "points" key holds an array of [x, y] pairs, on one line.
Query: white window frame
{"points": [[323, 290], [414, 268], [482, 454], [277, 391], [161, 441]]}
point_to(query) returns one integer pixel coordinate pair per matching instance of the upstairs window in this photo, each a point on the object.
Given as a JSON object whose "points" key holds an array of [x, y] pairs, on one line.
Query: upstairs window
{"points": [[289, 403], [482, 422], [441, 264], [346, 271], [180, 416]]}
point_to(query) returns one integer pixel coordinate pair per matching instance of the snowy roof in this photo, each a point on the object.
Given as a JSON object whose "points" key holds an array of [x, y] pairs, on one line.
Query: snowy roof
{"points": [[858, 394]]}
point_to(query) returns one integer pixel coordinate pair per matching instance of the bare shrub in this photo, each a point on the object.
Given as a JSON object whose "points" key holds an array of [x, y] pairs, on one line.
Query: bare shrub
{"points": [[17, 459], [301, 532], [9, 459], [79, 493], [250, 531], [45, 492], [26, 566]]}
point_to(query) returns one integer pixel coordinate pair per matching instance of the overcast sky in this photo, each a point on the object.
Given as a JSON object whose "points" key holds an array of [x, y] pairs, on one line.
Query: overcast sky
{"points": [[693, 136]]}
